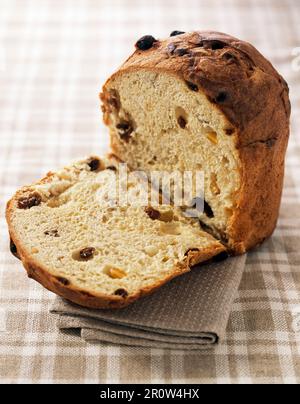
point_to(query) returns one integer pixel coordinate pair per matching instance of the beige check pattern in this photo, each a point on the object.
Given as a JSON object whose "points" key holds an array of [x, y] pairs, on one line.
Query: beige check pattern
{"points": [[54, 55]]}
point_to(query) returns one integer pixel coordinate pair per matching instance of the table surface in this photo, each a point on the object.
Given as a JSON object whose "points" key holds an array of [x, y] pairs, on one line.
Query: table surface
{"points": [[54, 56]]}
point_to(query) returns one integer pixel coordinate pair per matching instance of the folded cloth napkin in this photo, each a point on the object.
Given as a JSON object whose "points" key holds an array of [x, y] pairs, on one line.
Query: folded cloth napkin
{"points": [[189, 313]]}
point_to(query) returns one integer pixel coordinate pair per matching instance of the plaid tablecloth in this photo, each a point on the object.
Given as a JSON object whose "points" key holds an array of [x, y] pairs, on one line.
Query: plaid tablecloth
{"points": [[54, 56]]}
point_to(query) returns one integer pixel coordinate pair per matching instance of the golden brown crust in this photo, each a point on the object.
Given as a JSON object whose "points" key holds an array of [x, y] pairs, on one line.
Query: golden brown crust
{"points": [[83, 297], [253, 96], [256, 215]]}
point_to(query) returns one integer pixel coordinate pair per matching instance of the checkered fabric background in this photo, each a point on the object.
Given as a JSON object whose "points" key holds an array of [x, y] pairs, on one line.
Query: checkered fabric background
{"points": [[54, 56]]}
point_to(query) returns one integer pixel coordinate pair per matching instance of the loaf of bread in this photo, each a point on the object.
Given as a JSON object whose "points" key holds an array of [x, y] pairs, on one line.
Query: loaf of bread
{"points": [[200, 101], [77, 242], [206, 101]]}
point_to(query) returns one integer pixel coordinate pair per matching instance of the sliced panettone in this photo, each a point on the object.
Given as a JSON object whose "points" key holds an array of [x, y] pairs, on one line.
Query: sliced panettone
{"points": [[77, 242]]}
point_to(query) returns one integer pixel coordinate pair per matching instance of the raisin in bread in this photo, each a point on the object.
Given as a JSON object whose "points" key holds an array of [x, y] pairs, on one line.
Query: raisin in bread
{"points": [[206, 101], [73, 240]]}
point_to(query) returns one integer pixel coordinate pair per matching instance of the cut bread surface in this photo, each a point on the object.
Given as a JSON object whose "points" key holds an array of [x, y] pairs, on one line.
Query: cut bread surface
{"points": [[77, 243], [171, 127]]}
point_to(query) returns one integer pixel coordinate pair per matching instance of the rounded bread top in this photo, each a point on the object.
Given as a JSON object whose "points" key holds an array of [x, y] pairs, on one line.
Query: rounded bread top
{"points": [[234, 75]]}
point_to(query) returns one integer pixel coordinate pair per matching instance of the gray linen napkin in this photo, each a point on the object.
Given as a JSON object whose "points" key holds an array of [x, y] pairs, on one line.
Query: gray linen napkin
{"points": [[191, 312]]}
